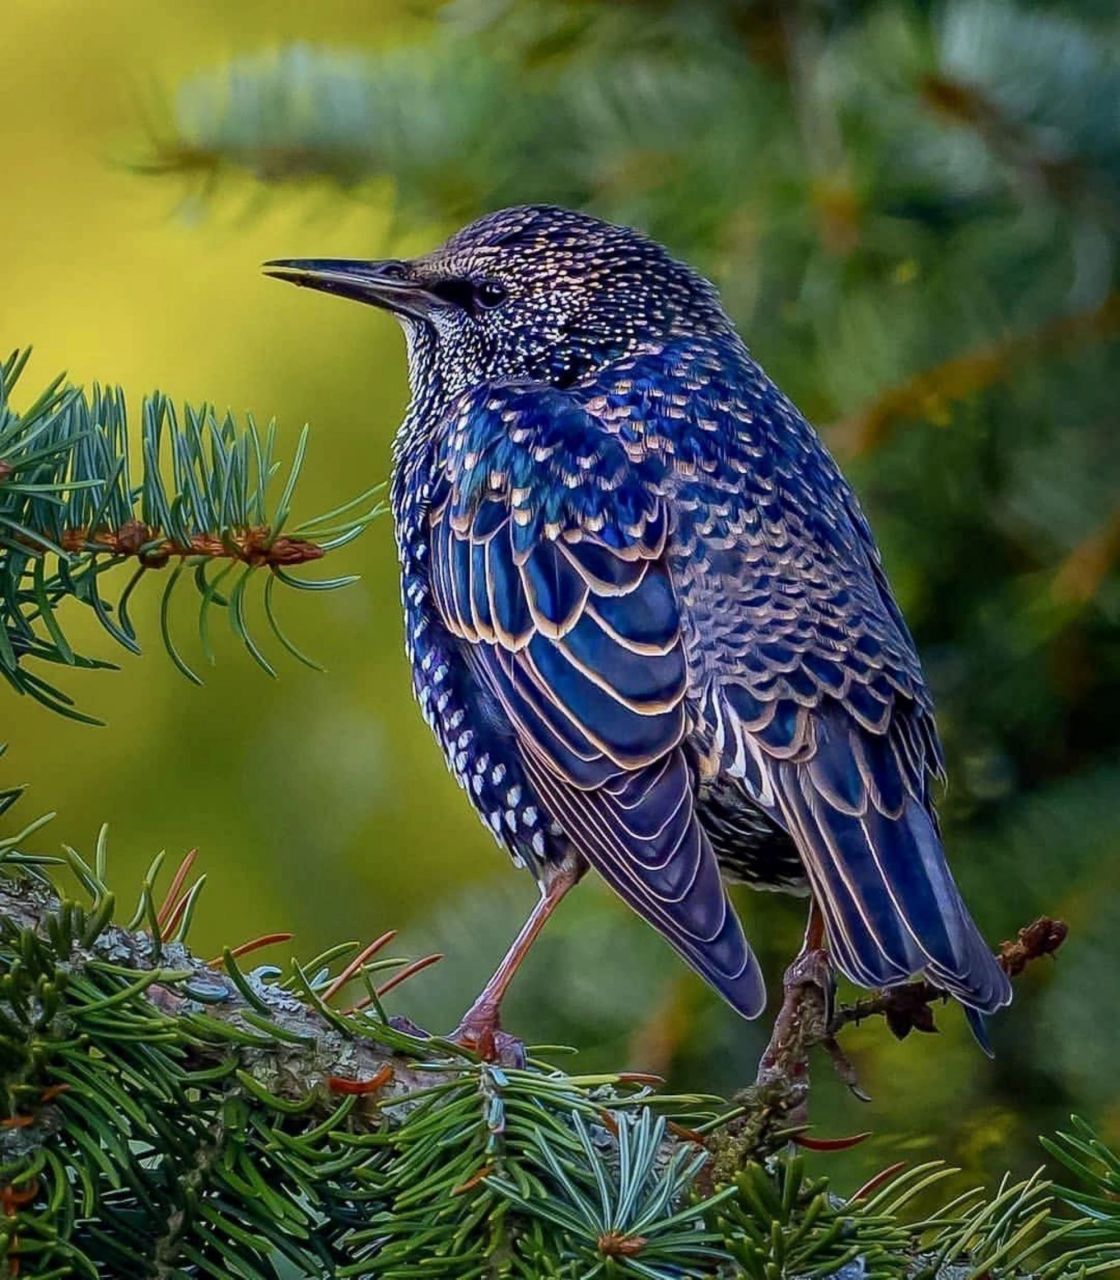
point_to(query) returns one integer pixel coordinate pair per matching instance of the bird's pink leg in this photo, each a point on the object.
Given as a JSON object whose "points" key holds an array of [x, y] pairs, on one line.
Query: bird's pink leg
{"points": [[812, 963], [805, 1019], [814, 929], [480, 1028]]}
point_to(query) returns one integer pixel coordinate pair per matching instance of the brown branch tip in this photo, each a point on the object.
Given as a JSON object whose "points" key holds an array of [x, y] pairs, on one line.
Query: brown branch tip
{"points": [[253, 546], [908, 1008], [1041, 938]]}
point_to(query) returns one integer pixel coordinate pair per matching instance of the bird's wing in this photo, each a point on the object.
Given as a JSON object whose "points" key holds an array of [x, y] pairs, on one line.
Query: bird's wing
{"points": [[816, 700], [548, 564]]}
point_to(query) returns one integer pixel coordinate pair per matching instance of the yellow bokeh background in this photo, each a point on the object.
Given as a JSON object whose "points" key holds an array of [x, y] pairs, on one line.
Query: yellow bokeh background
{"points": [[318, 802]]}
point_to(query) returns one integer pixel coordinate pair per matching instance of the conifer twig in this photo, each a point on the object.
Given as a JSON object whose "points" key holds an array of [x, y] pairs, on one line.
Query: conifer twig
{"points": [[240, 1117], [776, 1105], [210, 497], [253, 546]]}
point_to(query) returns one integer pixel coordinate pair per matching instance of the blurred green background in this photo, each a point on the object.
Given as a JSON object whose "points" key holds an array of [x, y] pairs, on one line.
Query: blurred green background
{"points": [[912, 210]]}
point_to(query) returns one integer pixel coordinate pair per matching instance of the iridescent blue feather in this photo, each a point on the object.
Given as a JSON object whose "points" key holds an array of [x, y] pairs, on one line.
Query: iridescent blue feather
{"points": [[634, 606]]}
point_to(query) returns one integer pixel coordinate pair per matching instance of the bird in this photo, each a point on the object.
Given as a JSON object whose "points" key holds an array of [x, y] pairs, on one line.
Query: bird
{"points": [[645, 614]]}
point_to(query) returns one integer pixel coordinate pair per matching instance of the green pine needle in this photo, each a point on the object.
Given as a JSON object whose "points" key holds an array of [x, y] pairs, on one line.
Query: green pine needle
{"points": [[164, 1116], [70, 511]]}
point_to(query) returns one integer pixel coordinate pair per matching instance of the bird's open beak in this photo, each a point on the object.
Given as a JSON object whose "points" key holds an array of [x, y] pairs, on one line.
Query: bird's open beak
{"points": [[391, 284]]}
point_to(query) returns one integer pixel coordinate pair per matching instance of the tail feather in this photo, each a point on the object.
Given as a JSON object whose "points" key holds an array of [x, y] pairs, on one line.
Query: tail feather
{"points": [[979, 1027], [890, 904]]}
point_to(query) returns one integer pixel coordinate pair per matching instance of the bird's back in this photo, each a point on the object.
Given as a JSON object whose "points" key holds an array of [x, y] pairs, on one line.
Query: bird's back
{"points": [[811, 721]]}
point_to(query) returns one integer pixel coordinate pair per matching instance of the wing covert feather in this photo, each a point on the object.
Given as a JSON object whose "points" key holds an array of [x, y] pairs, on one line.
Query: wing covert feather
{"points": [[568, 617]]}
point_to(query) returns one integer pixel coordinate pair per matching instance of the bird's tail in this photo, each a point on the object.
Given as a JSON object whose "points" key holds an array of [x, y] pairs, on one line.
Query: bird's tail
{"points": [[890, 904]]}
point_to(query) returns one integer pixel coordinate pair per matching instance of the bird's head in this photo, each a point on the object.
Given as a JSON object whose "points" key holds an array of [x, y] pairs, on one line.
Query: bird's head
{"points": [[533, 292]]}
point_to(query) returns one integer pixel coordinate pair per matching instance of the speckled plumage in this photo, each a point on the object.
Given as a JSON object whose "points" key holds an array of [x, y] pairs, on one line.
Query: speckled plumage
{"points": [[647, 620]]}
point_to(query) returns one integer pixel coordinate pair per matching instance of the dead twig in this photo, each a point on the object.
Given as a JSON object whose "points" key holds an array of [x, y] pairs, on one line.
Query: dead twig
{"points": [[910, 1007]]}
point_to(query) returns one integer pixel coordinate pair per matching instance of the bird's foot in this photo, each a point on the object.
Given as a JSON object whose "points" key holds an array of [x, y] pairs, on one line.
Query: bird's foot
{"points": [[481, 1032], [844, 1068], [812, 968], [802, 1021]]}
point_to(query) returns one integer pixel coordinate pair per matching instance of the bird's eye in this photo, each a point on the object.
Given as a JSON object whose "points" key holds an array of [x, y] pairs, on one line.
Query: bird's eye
{"points": [[490, 294], [469, 295]]}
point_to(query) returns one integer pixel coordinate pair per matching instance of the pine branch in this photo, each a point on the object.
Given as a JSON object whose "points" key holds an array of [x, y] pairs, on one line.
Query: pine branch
{"points": [[930, 394], [206, 498], [167, 1117], [1015, 77], [208, 1086], [344, 118], [433, 119]]}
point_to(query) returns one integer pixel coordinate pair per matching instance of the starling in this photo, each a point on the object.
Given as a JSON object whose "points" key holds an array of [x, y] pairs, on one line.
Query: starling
{"points": [[646, 617]]}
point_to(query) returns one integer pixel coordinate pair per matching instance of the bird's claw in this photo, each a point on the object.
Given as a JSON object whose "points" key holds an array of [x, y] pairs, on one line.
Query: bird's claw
{"points": [[814, 968], [400, 1023], [480, 1032]]}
